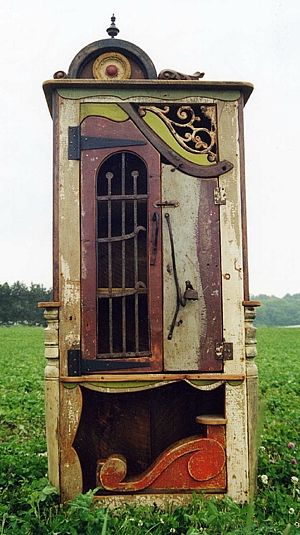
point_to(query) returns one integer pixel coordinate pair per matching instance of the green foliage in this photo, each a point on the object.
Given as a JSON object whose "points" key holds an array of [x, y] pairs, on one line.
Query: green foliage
{"points": [[18, 303], [275, 311], [29, 506]]}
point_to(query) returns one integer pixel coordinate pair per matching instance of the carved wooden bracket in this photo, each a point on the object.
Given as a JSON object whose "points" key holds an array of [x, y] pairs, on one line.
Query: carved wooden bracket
{"points": [[190, 464], [169, 74], [187, 167]]}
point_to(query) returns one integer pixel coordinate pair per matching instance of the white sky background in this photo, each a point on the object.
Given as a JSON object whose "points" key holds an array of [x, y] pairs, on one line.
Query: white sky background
{"points": [[256, 41]]}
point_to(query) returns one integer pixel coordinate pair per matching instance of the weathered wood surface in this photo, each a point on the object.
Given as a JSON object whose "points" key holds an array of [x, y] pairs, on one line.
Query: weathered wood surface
{"points": [[160, 500], [70, 468], [136, 377], [240, 404], [243, 199], [237, 442], [52, 401], [252, 394], [55, 190], [159, 90], [182, 352], [49, 304], [195, 227], [231, 237], [194, 463], [69, 236], [91, 160]]}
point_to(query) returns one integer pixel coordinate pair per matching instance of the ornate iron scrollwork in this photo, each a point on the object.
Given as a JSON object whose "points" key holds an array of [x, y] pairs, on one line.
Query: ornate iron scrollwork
{"points": [[194, 127]]}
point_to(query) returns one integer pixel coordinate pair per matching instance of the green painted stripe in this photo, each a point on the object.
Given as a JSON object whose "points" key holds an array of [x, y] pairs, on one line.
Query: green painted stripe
{"points": [[159, 94], [109, 111]]}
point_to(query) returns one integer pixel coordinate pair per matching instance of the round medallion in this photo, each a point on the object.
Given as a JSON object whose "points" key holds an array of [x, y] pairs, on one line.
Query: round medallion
{"points": [[111, 66]]}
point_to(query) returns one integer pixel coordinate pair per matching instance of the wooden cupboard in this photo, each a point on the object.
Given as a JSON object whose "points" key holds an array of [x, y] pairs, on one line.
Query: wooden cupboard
{"points": [[151, 385]]}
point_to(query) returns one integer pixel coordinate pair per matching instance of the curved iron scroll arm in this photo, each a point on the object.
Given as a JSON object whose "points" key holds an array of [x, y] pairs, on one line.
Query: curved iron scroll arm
{"points": [[189, 295], [180, 163]]}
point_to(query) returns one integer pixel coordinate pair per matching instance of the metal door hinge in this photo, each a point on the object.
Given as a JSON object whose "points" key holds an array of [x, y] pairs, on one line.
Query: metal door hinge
{"points": [[224, 351], [77, 142], [220, 195], [74, 362], [78, 366]]}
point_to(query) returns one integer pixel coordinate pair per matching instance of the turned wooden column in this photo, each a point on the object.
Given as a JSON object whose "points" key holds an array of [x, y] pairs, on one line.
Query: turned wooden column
{"points": [[252, 389], [51, 314]]}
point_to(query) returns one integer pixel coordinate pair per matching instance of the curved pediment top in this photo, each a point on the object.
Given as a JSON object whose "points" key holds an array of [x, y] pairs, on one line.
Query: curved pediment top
{"points": [[112, 59]]}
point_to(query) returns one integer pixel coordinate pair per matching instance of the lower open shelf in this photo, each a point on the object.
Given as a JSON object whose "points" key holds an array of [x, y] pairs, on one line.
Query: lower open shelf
{"points": [[165, 438]]}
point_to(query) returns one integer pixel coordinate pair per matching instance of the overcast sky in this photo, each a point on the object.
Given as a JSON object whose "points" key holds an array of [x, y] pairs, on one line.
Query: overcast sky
{"points": [[256, 41]]}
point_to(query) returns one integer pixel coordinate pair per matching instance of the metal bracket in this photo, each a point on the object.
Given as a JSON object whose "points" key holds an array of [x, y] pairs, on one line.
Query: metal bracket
{"points": [[224, 350], [78, 366], [163, 204], [77, 143], [74, 362], [220, 195]]}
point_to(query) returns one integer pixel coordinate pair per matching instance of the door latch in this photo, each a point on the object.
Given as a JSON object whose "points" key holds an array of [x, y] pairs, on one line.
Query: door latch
{"points": [[189, 295], [166, 204], [220, 195], [224, 350]]}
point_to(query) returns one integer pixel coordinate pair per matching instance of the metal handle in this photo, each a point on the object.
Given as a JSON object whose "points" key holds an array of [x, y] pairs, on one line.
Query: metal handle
{"points": [[189, 293], [178, 292], [154, 238]]}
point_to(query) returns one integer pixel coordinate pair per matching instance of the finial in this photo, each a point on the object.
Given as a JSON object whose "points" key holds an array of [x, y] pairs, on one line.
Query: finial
{"points": [[113, 30]]}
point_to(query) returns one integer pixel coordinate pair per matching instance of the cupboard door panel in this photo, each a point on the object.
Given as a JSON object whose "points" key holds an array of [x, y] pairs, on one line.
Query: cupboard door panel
{"points": [[121, 248], [196, 237]]}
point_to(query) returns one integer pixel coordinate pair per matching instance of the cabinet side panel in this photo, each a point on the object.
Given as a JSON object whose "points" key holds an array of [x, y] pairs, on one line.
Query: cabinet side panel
{"points": [[69, 235], [70, 468], [243, 201], [237, 441], [231, 237], [55, 223]]}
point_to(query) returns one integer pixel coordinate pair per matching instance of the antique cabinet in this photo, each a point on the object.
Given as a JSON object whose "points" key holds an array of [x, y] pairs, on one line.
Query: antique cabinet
{"points": [[150, 377]]}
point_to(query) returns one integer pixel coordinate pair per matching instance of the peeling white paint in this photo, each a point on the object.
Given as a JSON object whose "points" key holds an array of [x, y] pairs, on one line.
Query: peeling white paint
{"points": [[183, 351], [65, 268], [231, 237]]}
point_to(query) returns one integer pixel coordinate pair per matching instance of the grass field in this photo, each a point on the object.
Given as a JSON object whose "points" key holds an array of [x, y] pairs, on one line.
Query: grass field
{"points": [[28, 505]]}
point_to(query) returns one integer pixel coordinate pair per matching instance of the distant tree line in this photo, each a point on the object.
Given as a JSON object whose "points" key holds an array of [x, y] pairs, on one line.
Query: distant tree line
{"points": [[18, 303], [278, 311]]}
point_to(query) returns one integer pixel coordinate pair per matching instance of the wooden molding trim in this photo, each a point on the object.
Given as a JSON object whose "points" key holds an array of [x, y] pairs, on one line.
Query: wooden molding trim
{"points": [[153, 377], [251, 303], [49, 304], [211, 419]]}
